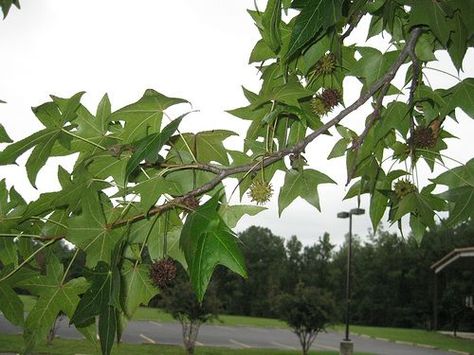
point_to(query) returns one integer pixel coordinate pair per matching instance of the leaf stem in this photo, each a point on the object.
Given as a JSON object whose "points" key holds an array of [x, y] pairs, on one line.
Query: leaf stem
{"points": [[76, 253], [83, 139]]}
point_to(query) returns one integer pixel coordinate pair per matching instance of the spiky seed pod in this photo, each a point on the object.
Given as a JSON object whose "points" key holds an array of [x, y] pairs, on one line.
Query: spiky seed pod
{"points": [[260, 191], [424, 137], [403, 187], [163, 273], [191, 202], [331, 98], [326, 65], [318, 106]]}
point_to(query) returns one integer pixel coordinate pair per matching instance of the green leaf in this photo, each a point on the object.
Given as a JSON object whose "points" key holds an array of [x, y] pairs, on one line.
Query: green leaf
{"points": [[395, 116], [231, 215], [107, 328], [7, 4], [136, 287], [260, 52], [68, 107], [425, 47], [271, 25], [378, 204], [103, 291], [432, 14], [4, 138], [11, 305], [143, 117], [13, 151], [339, 148], [150, 190], [49, 115], [206, 146], [104, 110], [39, 157], [301, 184], [288, 94], [150, 144], [462, 96], [103, 165], [457, 45], [155, 230], [54, 297], [314, 19], [373, 64], [462, 199], [207, 242], [418, 229], [408, 204], [91, 233], [457, 177]]}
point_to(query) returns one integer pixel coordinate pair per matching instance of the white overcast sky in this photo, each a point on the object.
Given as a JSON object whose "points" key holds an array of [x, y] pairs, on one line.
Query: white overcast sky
{"points": [[197, 50]]}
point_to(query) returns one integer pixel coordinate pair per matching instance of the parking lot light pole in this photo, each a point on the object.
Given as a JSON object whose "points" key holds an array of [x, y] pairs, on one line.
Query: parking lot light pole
{"points": [[347, 346]]}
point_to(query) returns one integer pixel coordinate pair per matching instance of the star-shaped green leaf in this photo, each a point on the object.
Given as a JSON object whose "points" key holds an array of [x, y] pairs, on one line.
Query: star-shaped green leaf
{"points": [[433, 14], [302, 184], [54, 296], [136, 287], [144, 116], [207, 242], [90, 231]]}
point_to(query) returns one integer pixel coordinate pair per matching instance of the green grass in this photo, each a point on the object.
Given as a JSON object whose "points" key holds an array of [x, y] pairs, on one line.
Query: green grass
{"points": [[13, 343], [441, 341], [158, 315], [250, 321]]}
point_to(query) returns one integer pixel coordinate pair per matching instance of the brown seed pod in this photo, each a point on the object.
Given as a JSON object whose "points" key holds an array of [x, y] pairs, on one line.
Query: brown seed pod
{"points": [[403, 187], [331, 98], [163, 273], [260, 191], [424, 137]]}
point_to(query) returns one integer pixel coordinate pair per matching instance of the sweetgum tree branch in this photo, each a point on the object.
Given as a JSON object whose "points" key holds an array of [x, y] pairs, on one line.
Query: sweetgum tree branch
{"points": [[224, 172]]}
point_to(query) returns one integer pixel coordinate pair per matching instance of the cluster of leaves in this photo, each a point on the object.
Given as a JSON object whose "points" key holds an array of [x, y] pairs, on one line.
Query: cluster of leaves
{"points": [[132, 196]]}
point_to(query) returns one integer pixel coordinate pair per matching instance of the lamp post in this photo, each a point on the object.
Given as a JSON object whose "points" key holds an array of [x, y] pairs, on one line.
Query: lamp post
{"points": [[346, 347]]}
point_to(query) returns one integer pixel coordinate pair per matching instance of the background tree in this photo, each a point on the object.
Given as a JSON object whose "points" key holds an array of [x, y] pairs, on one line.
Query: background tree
{"points": [[181, 302], [139, 183], [266, 260], [307, 312]]}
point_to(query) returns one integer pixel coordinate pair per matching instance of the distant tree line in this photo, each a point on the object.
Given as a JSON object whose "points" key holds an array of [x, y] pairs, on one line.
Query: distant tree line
{"points": [[393, 284]]}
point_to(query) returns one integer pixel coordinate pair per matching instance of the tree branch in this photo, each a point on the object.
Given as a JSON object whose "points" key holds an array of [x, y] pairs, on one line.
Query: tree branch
{"points": [[222, 173]]}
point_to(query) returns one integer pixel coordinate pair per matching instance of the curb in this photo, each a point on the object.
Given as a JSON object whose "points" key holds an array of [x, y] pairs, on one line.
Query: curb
{"points": [[426, 346], [458, 352]]}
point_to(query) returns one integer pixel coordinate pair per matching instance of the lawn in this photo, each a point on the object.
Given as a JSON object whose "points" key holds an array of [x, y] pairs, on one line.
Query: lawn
{"points": [[13, 343], [441, 341]]}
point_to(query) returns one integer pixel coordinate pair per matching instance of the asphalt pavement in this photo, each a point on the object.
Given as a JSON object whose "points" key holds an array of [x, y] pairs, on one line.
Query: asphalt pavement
{"points": [[240, 337]]}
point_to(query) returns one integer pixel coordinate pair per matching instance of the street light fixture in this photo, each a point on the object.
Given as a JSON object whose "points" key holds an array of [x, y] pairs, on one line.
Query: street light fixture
{"points": [[346, 344]]}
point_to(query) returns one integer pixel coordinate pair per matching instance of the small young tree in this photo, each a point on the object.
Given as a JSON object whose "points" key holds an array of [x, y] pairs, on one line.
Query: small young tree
{"points": [[181, 301], [308, 311]]}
